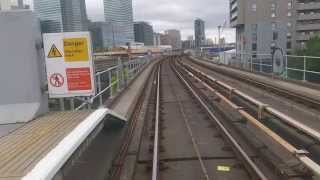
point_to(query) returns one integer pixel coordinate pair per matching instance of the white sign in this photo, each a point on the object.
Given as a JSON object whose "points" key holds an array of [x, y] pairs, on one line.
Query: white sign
{"points": [[69, 64]]}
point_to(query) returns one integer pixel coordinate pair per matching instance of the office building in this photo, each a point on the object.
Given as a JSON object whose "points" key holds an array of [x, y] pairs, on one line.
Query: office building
{"points": [[102, 35], [188, 44], [119, 14], [199, 32], [5, 4], [61, 15], [12, 5], [143, 33], [172, 37], [156, 39]]}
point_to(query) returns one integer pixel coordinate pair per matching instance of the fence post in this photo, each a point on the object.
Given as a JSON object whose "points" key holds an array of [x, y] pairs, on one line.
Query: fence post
{"points": [[110, 82], [89, 104], [119, 78], [304, 67], [286, 67], [61, 103], [100, 89], [251, 63], [260, 62], [72, 104]]}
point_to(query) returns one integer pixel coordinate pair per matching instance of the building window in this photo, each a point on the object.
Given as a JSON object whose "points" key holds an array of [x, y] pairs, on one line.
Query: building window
{"points": [[254, 7], [289, 45], [274, 26], [254, 27], [289, 35], [254, 46], [273, 6], [273, 14], [275, 36], [289, 5], [289, 24], [289, 14]]}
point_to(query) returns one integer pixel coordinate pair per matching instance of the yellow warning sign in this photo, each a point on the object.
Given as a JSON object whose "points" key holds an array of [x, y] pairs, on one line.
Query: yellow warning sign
{"points": [[224, 168], [54, 52], [76, 49]]}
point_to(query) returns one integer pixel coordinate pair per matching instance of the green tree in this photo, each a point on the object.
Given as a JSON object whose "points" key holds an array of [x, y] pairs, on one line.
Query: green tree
{"points": [[311, 50]]}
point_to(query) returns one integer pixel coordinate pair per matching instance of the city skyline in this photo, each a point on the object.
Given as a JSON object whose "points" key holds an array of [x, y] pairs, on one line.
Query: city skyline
{"points": [[180, 17]]}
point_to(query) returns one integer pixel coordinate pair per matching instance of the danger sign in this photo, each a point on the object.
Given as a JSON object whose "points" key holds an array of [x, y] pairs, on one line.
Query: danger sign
{"points": [[78, 79], [54, 52], [56, 80], [69, 64], [75, 49]]}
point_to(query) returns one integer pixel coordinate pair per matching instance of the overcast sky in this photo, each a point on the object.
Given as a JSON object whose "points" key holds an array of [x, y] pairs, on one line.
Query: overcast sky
{"points": [[174, 14]]}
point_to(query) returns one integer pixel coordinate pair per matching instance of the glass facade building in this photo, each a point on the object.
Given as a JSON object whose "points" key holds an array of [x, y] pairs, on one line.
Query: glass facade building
{"points": [[119, 14], [61, 15], [199, 32]]}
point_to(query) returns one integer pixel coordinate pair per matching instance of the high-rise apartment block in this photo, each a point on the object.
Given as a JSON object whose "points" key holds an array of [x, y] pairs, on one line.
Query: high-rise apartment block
{"points": [[62, 15], [261, 25], [199, 32], [119, 14], [307, 24], [143, 33]]}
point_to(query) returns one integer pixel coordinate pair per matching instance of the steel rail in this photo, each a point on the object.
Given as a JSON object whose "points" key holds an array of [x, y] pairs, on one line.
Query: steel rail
{"points": [[235, 144], [194, 142], [301, 155], [155, 163], [261, 106], [306, 99]]}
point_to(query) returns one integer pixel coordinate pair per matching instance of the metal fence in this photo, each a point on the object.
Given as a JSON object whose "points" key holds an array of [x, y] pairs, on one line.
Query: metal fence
{"points": [[108, 83], [304, 68]]}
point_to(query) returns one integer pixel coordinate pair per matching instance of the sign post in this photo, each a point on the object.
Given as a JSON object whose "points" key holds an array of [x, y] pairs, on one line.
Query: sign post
{"points": [[69, 64]]}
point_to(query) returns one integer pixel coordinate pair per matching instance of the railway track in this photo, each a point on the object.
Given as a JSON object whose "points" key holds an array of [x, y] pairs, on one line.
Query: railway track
{"points": [[283, 136], [291, 95], [185, 138]]}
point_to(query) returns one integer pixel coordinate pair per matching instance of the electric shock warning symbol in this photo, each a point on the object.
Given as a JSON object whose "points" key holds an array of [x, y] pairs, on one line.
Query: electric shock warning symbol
{"points": [[54, 52], [56, 80]]}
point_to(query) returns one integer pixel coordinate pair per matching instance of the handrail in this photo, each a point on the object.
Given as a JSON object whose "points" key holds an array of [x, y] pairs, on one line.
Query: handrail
{"points": [[289, 120]]}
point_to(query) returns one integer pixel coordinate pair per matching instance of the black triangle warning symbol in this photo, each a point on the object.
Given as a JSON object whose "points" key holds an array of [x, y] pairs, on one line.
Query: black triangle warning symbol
{"points": [[54, 52]]}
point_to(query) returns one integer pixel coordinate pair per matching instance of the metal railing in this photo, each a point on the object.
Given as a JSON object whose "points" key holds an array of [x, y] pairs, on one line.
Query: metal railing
{"points": [[108, 83], [304, 68], [114, 79]]}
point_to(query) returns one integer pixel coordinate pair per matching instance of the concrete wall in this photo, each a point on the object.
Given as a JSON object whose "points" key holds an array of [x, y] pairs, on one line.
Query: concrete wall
{"points": [[22, 75]]}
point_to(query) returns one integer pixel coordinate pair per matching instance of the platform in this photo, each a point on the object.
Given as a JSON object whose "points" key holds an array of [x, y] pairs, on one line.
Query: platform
{"points": [[282, 84], [24, 147]]}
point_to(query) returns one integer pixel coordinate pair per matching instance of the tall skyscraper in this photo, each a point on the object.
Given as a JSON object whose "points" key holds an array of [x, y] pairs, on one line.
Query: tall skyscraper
{"points": [[119, 14], [199, 32], [62, 15], [143, 32]]}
